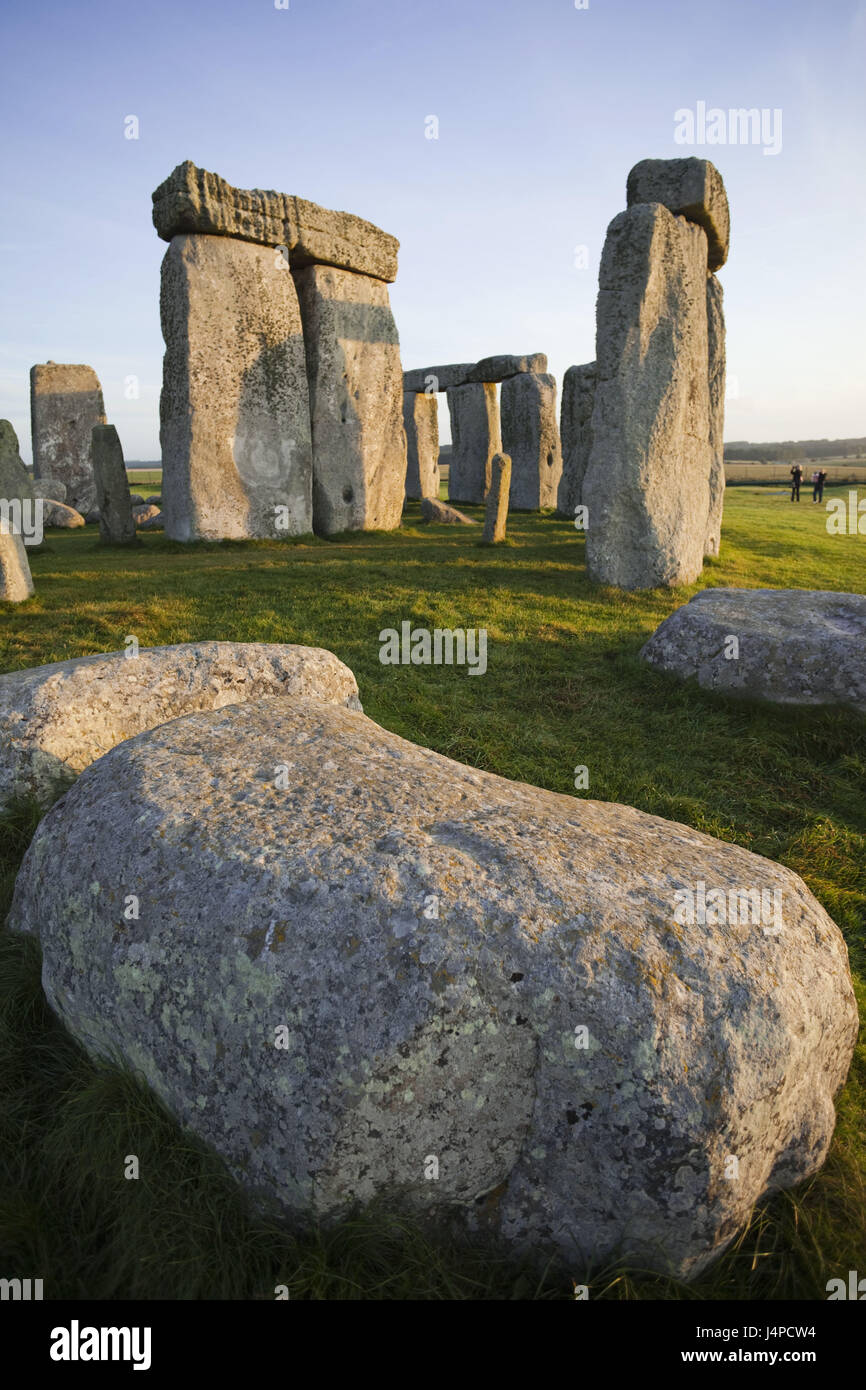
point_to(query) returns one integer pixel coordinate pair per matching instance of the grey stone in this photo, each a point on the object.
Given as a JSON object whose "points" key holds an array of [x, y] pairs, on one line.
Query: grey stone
{"points": [[716, 351], [65, 403], [390, 956], [116, 525], [501, 368], [356, 401], [92, 518], [137, 500], [234, 411], [691, 188], [155, 499], [578, 399], [432, 379], [475, 438], [793, 646], [434, 510], [530, 434], [496, 507], [52, 488], [191, 200], [16, 583], [55, 720], [646, 485], [421, 422], [142, 515], [15, 481], [58, 514], [154, 522]]}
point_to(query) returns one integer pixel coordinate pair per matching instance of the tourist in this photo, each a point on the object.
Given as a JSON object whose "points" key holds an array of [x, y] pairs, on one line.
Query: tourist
{"points": [[822, 478], [816, 479], [796, 477]]}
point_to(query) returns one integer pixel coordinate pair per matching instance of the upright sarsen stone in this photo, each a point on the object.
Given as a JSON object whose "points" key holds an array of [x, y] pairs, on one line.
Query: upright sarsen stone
{"points": [[530, 434], [496, 506], [116, 524], [647, 481], [356, 400], [475, 438], [716, 350], [234, 411], [15, 481], [16, 583], [421, 422], [65, 403], [578, 399]]}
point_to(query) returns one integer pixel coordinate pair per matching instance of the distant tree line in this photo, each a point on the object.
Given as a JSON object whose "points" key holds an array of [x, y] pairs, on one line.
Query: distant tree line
{"points": [[792, 450]]}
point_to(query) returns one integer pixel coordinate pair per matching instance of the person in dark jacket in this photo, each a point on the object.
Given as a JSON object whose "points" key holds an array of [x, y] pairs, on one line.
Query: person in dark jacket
{"points": [[796, 478], [822, 478]]}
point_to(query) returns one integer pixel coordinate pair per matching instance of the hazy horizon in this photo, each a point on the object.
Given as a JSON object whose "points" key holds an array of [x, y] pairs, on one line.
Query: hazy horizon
{"points": [[542, 109]]}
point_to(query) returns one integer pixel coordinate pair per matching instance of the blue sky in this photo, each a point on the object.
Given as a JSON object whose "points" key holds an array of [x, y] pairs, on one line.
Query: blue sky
{"points": [[542, 110]]}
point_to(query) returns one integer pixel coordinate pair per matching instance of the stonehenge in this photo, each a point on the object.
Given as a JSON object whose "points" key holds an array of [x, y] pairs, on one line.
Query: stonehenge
{"points": [[116, 524], [477, 425], [299, 427], [65, 403], [575, 429], [651, 452]]}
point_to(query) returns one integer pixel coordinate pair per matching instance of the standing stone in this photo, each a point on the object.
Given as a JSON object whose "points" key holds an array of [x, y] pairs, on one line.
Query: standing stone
{"points": [[475, 438], [530, 434], [716, 349], [496, 512], [16, 583], [647, 481], [116, 526], [15, 481], [578, 398], [356, 400], [421, 422], [234, 411], [50, 488], [65, 403]]}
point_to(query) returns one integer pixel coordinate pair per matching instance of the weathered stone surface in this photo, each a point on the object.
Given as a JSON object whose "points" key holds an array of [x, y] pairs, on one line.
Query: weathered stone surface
{"points": [[794, 646], [580, 1061], [496, 512], [421, 422], [155, 499], [51, 488], [433, 510], [16, 582], [55, 720], [58, 514], [92, 518], [716, 351], [116, 525], [234, 411], [475, 438], [501, 368], [142, 515], [690, 188], [191, 200], [575, 429], [136, 499], [15, 481], [65, 403], [433, 379], [154, 522], [356, 401], [647, 481], [530, 434]]}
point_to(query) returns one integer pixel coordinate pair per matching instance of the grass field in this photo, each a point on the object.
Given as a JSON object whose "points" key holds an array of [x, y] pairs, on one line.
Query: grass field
{"points": [[564, 686]]}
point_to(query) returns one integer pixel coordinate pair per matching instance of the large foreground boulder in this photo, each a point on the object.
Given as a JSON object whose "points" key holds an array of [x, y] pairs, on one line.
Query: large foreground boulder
{"points": [[358, 968], [791, 646], [55, 720]]}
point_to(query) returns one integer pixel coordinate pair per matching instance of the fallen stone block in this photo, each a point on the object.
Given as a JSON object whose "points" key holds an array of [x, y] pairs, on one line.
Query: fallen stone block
{"points": [[354, 958], [788, 646], [58, 514], [434, 510], [55, 720]]}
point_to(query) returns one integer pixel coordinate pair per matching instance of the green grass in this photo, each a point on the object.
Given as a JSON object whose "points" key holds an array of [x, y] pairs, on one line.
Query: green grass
{"points": [[564, 687]]}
